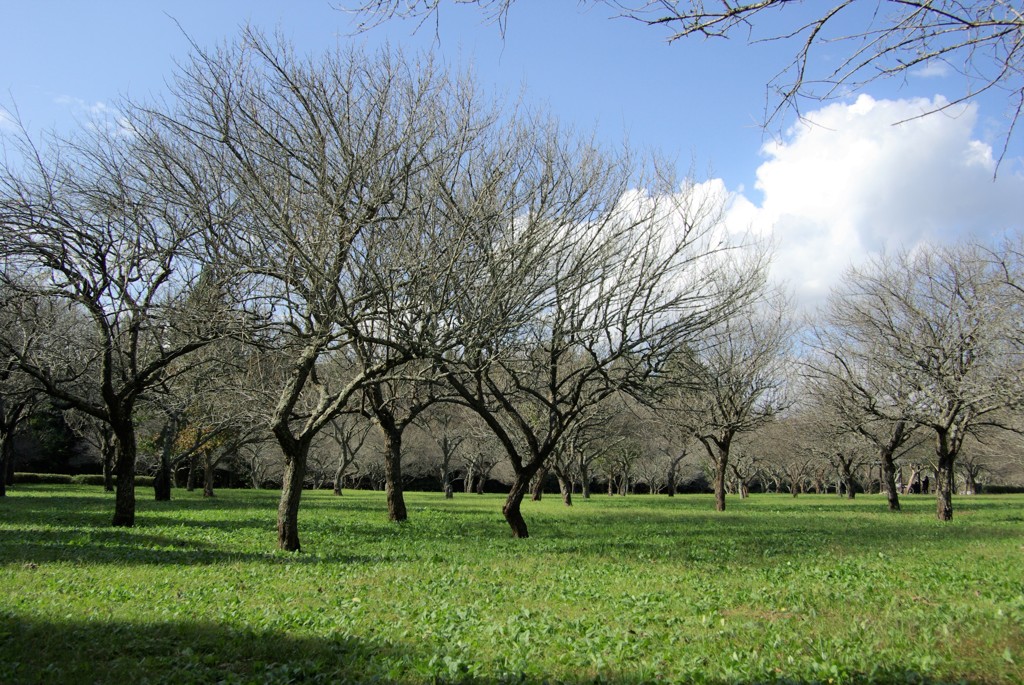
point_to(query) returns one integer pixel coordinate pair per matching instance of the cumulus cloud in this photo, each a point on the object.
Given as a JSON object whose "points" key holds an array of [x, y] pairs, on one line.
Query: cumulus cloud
{"points": [[875, 175]]}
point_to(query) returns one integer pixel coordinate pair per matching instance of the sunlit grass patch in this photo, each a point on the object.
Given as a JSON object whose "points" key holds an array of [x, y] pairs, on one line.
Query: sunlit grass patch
{"points": [[637, 589]]}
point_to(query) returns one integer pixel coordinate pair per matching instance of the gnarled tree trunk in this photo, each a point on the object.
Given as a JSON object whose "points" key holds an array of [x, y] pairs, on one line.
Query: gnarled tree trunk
{"points": [[945, 477], [108, 452], [192, 471], [889, 482], [291, 494], [162, 482], [538, 484], [393, 475], [124, 470], [512, 508], [208, 473], [5, 459], [721, 462], [564, 487], [847, 476], [339, 473]]}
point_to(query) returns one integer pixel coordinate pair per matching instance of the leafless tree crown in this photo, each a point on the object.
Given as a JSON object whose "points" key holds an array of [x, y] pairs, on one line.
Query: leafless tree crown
{"points": [[981, 40]]}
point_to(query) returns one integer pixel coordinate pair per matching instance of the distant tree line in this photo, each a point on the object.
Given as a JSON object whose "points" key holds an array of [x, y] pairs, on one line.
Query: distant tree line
{"points": [[355, 269]]}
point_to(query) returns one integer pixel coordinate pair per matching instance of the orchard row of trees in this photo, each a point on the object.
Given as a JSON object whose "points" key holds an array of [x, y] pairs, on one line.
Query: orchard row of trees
{"points": [[296, 249], [288, 240]]}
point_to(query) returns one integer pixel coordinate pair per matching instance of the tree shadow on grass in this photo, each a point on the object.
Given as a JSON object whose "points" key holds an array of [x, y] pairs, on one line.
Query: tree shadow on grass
{"points": [[130, 547], [76, 527], [98, 651], [34, 650]]}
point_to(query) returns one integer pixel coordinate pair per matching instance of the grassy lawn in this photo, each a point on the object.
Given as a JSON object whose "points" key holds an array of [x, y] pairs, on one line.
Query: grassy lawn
{"points": [[618, 590]]}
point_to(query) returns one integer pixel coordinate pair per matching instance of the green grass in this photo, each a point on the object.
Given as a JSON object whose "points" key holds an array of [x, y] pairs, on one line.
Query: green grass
{"points": [[619, 590]]}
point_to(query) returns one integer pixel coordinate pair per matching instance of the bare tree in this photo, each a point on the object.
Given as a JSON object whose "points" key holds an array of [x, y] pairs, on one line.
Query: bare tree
{"points": [[672, 425], [933, 326], [348, 434], [583, 288], [592, 438], [480, 457], [323, 157], [856, 394], [98, 435], [787, 452], [394, 404], [987, 457], [888, 39], [738, 381], [590, 441], [86, 237], [446, 426], [18, 394], [745, 464]]}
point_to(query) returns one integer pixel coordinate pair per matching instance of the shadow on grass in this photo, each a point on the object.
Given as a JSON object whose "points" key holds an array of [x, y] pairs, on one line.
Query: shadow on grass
{"points": [[38, 651], [48, 524], [126, 547], [101, 651]]}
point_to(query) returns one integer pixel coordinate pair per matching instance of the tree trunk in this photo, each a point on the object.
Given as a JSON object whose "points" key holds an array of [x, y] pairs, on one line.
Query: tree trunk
{"points": [[124, 469], [718, 451], [913, 479], [538, 485], [291, 494], [565, 487], [162, 482], [720, 464], [449, 491], [208, 472], [339, 473], [889, 482], [5, 458], [848, 481], [971, 486], [108, 450], [741, 483], [192, 471], [393, 476], [511, 509], [7, 476], [467, 484], [584, 479], [945, 481]]}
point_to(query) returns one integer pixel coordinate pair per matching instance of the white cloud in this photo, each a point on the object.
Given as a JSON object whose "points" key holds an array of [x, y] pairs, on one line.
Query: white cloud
{"points": [[97, 115], [7, 122], [933, 69], [851, 180]]}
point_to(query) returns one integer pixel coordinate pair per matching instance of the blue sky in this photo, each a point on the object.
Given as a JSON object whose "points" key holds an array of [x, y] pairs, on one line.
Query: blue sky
{"points": [[828, 193]]}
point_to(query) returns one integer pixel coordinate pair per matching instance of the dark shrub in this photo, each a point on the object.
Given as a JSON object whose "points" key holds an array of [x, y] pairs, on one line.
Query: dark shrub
{"points": [[41, 479]]}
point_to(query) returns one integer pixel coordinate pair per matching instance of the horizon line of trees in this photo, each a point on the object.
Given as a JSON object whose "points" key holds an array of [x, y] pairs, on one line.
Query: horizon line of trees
{"points": [[328, 253]]}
